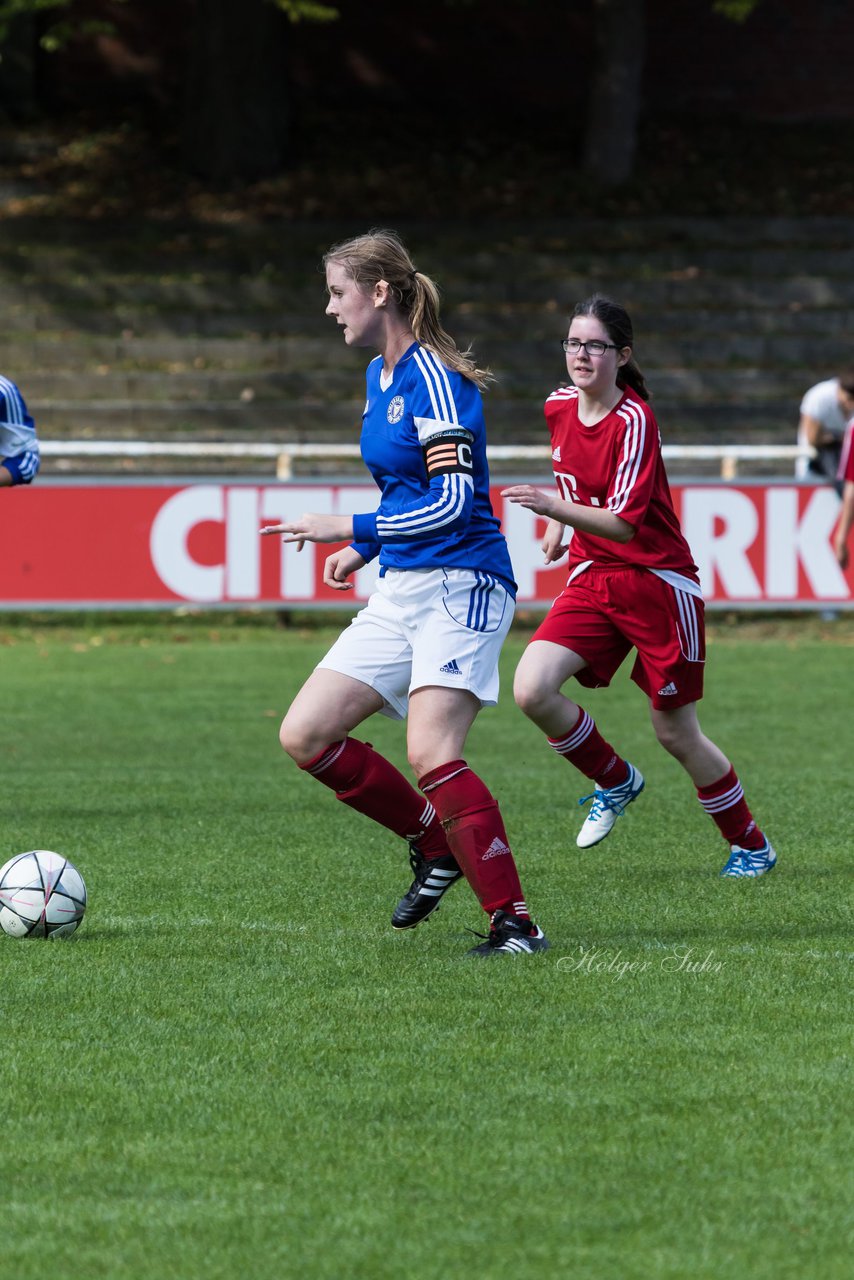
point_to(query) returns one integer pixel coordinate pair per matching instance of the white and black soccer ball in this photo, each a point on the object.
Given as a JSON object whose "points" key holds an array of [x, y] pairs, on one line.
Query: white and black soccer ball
{"points": [[42, 895]]}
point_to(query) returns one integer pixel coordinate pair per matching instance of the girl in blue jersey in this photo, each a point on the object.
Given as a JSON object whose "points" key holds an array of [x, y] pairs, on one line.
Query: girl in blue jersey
{"points": [[426, 645], [19, 448]]}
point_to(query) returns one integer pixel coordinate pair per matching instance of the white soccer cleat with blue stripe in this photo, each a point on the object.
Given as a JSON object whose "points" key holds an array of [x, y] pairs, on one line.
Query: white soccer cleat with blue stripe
{"points": [[750, 863], [607, 806]]}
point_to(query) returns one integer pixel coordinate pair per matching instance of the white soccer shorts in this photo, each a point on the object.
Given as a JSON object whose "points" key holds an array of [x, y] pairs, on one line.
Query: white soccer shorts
{"points": [[427, 627]]}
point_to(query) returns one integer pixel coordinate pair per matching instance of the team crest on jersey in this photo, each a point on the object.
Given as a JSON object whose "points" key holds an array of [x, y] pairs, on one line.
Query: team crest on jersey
{"points": [[394, 413]]}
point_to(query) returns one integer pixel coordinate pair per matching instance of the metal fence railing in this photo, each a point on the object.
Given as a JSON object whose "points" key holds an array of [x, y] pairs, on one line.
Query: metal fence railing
{"points": [[729, 456]]}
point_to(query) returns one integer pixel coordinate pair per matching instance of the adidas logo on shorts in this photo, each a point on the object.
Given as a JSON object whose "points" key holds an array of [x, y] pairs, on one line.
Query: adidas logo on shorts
{"points": [[668, 689], [451, 668]]}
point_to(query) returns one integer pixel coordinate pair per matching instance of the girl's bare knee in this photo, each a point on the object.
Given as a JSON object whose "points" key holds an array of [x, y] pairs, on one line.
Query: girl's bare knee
{"points": [[297, 742], [528, 693]]}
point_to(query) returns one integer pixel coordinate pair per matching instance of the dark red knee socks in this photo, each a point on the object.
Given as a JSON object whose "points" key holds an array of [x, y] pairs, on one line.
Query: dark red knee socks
{"points": [[725, 804], [585, 747], [475, 832], [366, 781]]}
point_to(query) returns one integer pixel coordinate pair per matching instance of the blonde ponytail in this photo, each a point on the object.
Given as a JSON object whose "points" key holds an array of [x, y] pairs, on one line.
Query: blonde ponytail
{"points": [[382, 255]]}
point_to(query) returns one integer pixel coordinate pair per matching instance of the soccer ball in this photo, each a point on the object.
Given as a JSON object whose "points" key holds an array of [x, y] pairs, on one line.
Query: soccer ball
{"points": [[42, 895]]}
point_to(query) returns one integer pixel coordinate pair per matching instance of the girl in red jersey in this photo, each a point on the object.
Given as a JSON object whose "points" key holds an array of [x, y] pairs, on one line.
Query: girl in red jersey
{"points": [[632, 584], [846, 515]]}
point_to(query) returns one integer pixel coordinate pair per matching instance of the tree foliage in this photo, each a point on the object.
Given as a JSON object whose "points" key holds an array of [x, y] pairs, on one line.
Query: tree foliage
{"points": [[58, 32], [306, 11], [238, 119], [736, 10]]}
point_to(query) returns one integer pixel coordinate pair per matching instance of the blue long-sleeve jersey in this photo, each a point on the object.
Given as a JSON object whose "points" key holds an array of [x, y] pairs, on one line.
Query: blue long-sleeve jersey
{"points": [[424, 442], [19, 447]]}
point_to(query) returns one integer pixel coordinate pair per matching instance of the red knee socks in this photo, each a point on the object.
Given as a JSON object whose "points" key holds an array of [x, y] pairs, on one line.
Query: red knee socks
{"points": [[366, 781], [475, 832], [585, 747], [725, 804]]}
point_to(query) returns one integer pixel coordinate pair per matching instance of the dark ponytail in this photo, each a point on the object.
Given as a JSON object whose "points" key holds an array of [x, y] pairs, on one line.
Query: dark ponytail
{"points": [[616, 320]]}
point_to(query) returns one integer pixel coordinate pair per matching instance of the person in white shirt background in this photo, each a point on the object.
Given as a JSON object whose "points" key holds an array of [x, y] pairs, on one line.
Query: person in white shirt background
{"points": [[826, 410]]}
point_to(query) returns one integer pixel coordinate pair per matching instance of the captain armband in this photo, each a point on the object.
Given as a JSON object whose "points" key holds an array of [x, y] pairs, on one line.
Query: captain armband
{"points": [[447, 452]]}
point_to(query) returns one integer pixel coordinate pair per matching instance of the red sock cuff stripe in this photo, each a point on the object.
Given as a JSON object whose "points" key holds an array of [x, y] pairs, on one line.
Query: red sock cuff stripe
{"points": [[726, 801], [437, 777], [428, 815], [327, 757], [584, 726], [519, 908]]}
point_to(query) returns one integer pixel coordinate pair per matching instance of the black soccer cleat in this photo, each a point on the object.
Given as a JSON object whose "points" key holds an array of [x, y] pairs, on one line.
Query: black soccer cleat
{"points": [[433, 878], [511, 935]]}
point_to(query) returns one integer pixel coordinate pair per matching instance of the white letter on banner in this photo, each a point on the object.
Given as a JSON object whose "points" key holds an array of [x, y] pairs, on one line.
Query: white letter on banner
{"points": [[526, 552], [168, 543], [788, 541], [242, 545], [278, 506], [726, 552]]}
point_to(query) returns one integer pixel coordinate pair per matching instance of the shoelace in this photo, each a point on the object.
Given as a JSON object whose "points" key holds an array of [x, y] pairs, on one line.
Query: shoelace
{"points": [[420, 872], [422, 867], [496, 935], [601, 800], [494, 938], [744, 858]]}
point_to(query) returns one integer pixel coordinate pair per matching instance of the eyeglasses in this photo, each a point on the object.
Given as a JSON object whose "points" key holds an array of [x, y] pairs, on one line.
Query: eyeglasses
{"points": [[593, 348]]}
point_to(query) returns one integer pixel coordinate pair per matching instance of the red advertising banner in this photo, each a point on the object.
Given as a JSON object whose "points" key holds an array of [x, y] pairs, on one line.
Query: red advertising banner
{"points": [[70, 544]]}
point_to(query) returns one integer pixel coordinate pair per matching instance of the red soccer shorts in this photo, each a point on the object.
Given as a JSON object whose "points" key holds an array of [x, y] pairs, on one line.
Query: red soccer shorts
{"points": [[607, 611]]}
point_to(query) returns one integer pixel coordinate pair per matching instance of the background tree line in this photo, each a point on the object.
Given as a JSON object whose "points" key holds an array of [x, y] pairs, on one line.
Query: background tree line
{"points": [[237, 83]]}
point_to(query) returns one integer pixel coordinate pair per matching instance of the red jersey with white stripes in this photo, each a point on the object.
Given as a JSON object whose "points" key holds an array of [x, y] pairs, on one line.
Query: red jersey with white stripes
{"points": [[617, 465], [846, 461]]}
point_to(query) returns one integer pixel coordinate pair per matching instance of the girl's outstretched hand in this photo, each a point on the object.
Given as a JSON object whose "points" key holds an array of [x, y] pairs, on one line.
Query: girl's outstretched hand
{"points": [[311, 527], [528, 495]]}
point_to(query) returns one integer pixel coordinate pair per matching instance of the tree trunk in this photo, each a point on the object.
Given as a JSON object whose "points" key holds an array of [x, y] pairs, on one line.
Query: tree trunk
{"points": [[610, 141], [18, 69], [237, 114]]}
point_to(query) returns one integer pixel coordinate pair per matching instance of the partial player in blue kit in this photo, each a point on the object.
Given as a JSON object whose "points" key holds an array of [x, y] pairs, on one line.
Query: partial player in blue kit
{"points": [[19, 446], [426, 645]]}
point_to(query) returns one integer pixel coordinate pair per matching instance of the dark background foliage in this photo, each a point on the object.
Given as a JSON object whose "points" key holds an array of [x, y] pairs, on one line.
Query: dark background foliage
{"points": [[547, 108]]}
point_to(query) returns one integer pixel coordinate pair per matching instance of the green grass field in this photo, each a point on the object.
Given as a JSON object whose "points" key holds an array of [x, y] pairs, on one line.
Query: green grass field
{"points": [[236, 1069]]}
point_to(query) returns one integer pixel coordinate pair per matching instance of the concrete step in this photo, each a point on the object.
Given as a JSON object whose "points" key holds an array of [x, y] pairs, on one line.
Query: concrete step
{"points": [[235, 307], [47, 391], [504, 272], [128, 247], [510, 421], [46, 388], [99, 354], [522, 341]]}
